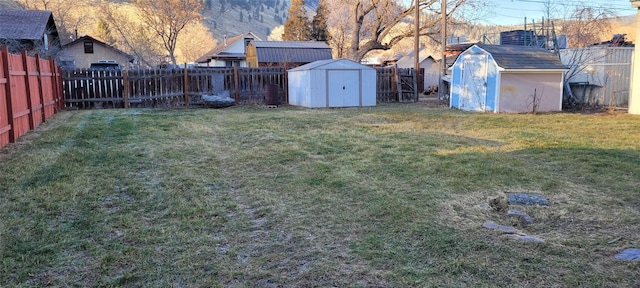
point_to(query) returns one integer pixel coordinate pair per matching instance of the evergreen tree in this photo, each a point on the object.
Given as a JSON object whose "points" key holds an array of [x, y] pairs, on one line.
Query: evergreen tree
{"points": [[296, 28], [319, 30]]}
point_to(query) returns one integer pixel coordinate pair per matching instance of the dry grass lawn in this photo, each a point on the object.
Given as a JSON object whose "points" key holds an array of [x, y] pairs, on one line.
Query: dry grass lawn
{"points": [[390, 196]]}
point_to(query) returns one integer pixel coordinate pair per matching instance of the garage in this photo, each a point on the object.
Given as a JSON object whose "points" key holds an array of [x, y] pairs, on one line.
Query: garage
{"points": [[332, 83]]}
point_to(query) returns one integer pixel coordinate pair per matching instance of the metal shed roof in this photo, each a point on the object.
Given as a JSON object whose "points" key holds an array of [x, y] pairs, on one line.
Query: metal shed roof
{"points": [[523, 57], [292, 51], [24, 24], [332, 64]]}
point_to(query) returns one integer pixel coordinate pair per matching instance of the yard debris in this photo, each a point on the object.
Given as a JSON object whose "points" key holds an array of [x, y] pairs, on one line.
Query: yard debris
{"points": [[630, 254], [499, 204], [220, 100], [526, 238], [523, 216], [511, 232], [527, 199], [501, 228]]}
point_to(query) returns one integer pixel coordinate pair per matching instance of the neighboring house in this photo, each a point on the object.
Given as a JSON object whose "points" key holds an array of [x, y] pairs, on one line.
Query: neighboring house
{"points": [[506, 78], [33, 31], [86, 50], [232, 51], [600, 74], [286, 53]]}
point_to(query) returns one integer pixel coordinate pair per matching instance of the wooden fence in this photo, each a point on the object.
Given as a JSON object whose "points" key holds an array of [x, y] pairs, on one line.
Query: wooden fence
{"points": [[30, 92], [155, 88]]}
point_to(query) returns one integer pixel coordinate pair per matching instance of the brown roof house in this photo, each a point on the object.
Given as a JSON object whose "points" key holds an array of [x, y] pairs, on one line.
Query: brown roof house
{"points": [[232, 51], [286, 53], [84, 51], [507, 79], [33, 31]]}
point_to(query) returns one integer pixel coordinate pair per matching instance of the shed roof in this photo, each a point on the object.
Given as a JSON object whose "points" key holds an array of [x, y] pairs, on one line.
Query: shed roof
{"points": [[523, 57], [332, 64], [291, 51], [24, 24]]}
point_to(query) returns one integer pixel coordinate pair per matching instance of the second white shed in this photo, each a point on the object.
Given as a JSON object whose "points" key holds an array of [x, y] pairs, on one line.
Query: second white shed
{"points": [[332, 83]]}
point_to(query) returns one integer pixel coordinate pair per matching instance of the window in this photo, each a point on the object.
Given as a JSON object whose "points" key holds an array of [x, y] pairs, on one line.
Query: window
{"points": [[88, 47]]}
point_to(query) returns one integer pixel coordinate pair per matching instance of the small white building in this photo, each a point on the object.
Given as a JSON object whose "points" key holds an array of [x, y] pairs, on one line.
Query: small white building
{"points": [[332, 83], [507, 79]]}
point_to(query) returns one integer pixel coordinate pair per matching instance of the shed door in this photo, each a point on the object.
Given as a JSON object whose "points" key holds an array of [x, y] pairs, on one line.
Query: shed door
{"points": [[474, 82], [343, 88]]}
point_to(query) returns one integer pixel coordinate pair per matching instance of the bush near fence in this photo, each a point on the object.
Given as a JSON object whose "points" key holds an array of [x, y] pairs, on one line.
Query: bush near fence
{"points": [[30, 92], [165, 88]]}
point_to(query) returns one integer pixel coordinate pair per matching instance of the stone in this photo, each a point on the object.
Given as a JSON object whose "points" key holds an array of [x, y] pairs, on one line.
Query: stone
{"points": [[501, 228], [527, 199], [523, 216], [630, 254], [221, 100], [526, 238]]}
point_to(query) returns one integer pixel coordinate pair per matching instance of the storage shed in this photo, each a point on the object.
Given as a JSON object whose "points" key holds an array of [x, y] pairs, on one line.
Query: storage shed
{"points": [[332, 83], [507, 78]]}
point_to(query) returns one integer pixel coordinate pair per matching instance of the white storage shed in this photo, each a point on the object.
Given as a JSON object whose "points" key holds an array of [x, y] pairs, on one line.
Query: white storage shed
{"points": [[507, 79], [332, 83]]}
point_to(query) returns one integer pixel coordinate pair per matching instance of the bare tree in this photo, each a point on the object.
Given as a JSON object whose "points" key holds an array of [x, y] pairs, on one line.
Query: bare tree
{"points": [[372, 24], [194, 42], [131, 36], [585, 26], [167, 18]]}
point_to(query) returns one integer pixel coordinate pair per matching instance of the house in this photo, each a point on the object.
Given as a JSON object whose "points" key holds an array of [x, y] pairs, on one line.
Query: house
{"points": [[332, 83], [286, 53], [85, 50], [33, 31], [232, 51], [507, 78]]}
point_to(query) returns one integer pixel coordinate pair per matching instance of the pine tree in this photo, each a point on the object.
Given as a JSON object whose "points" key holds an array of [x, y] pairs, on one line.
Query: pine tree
{"points": [[318, 30], [296, 28]]}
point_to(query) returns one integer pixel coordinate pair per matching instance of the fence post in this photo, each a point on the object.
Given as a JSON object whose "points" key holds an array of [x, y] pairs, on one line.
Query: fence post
{"points": [[25, 66], [286, 84], [40, 92], [398, 83], [56, 82], [125, 90], [236, 80], [5, 67], [186, 86]]}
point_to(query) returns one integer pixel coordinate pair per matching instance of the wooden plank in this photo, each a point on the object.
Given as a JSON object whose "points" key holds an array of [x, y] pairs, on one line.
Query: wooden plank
{"points": [[29, 88], [9, 102], [186, 86], [40, 89], [125, 93]]}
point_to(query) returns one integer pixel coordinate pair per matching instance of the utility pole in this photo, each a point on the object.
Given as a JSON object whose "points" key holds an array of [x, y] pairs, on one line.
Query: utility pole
{"points": [[416, 49], [443, 73]]}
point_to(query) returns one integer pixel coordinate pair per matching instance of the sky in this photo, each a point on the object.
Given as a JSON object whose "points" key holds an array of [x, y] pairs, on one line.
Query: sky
{"points": [[513, 12]]}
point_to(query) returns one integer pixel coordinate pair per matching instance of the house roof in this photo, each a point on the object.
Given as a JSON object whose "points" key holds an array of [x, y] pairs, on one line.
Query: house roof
{"points": [[332, 64], [291, 51], [24, 24], [89, 38], [219, 50], [523, 57]]}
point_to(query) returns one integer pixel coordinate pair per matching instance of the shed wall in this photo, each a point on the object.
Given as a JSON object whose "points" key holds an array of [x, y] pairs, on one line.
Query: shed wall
{"points": [[517, 90]]}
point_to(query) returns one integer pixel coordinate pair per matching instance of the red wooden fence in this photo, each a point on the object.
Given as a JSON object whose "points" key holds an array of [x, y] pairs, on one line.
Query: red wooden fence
{"points": [[30, 92]]}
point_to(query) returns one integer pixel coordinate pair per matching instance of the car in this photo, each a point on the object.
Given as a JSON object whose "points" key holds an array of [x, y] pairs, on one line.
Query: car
{"points": [[105, 65]]}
